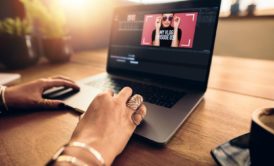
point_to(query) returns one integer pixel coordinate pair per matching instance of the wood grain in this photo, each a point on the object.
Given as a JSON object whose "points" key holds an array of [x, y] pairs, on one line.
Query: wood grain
{"points": [[239, 75], [32, 138], [245, 76]]}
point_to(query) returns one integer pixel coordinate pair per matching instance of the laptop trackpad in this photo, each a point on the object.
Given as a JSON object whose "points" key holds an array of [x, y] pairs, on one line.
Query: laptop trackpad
{"points": [[81, 100]]}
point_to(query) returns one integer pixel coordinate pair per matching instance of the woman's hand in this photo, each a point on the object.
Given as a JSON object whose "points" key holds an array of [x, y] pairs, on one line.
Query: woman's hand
{"points": [[158, 23], [177, 21], [29, 95], [107, 125], [156, 40]]}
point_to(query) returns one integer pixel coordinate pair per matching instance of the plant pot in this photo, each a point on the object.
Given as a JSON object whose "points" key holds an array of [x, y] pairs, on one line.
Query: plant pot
{"points": [[57, 50], [18, 51]]}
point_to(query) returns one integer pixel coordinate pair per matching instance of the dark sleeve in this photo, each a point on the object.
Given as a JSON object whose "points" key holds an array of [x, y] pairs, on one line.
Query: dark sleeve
{"points": [[153, 35], [179, 34]]}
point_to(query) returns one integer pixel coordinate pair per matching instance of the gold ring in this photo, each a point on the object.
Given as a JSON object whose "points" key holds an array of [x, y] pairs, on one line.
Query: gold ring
{"points": [[135, 102]]}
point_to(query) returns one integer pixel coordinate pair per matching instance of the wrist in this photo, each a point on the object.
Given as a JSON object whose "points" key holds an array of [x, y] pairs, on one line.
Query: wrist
{"points": [[80, 154], [107, 153]]}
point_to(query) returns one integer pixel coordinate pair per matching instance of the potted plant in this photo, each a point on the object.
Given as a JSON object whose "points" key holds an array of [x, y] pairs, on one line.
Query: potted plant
{"points": [[18, 48], [51, 20]]}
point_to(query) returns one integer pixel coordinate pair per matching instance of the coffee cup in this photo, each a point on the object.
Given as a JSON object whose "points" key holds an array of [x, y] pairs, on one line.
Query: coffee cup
{"points": [[261, 143]]}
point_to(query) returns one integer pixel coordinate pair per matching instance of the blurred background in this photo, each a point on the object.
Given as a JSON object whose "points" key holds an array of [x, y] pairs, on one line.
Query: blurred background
{"points": [[246, 27]]}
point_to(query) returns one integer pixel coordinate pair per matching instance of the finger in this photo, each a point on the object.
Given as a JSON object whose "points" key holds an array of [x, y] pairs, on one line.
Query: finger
{"points": [[142, 110], [62, 78], [157, 20], [81, 116], [135, 102], [124, 94], [57, 83], [50, 104], [138, 116], [109, 91]]}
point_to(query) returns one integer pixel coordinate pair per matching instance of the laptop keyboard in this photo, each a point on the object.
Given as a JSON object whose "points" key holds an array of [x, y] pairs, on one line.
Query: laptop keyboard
{"points": [[151, 94]]}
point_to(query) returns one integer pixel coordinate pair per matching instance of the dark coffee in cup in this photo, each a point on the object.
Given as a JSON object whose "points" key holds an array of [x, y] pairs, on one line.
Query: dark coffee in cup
{"points": [[261, 143]]}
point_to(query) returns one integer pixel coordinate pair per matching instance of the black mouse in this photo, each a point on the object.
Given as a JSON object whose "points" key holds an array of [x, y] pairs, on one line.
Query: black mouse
{"points": [[59, 93]]}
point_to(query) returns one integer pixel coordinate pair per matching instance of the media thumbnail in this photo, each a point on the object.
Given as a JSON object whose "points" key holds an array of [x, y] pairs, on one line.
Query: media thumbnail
{"points": [[169, 29]]}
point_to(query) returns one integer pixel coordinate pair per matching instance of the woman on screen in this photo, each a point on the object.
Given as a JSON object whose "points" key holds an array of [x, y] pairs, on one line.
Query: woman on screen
{"points": [[164, 34]]}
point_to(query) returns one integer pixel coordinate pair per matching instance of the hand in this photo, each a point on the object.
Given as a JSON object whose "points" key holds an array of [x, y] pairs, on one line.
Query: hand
{"points": [[29, 95], [158, 23], [107, 124], [177, 21]]}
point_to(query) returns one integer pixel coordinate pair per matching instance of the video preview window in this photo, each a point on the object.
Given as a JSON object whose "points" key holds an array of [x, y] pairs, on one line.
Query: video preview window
{"points": [[169, 29]]}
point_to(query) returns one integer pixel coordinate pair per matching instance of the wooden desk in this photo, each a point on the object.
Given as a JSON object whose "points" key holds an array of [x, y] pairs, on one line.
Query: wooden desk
{"points": [[31, 139], [244, 76]]}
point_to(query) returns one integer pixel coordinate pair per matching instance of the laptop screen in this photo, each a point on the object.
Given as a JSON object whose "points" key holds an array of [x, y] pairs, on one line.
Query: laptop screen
{"points": [[172, 40]]}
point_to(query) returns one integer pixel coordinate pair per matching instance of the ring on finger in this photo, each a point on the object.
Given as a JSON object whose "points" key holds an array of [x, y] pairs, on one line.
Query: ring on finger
{"points": [[135, 102], [134, 116], [138, 116]]}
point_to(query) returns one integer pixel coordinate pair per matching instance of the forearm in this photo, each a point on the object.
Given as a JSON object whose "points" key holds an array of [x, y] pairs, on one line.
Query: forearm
{"points": [[156, 41], [175, 42], [80, 154]]}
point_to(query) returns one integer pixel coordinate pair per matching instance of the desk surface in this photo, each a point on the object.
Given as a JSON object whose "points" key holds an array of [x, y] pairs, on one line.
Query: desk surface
{"points": [[236, 88]]}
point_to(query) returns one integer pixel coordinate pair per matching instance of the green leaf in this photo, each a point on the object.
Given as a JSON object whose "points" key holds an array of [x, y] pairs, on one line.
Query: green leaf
{"points": [[15, 26], [51, 18], [27, 26], [18, 27], [9, 26]]}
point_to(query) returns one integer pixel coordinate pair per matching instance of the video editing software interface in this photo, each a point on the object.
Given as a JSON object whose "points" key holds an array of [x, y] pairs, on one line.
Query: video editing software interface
{"points": [[166, 40]]}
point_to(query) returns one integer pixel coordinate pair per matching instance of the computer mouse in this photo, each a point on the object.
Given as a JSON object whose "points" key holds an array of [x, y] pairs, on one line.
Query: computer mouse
{"points": [[59, 93]]}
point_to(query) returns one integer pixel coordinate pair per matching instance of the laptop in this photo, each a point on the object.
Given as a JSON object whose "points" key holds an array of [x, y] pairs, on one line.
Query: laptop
{"points": [[9, 78], [163, 52]]}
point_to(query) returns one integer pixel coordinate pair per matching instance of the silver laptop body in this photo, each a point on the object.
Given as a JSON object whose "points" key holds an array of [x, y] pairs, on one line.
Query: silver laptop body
{"points": [[183, 69]]}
